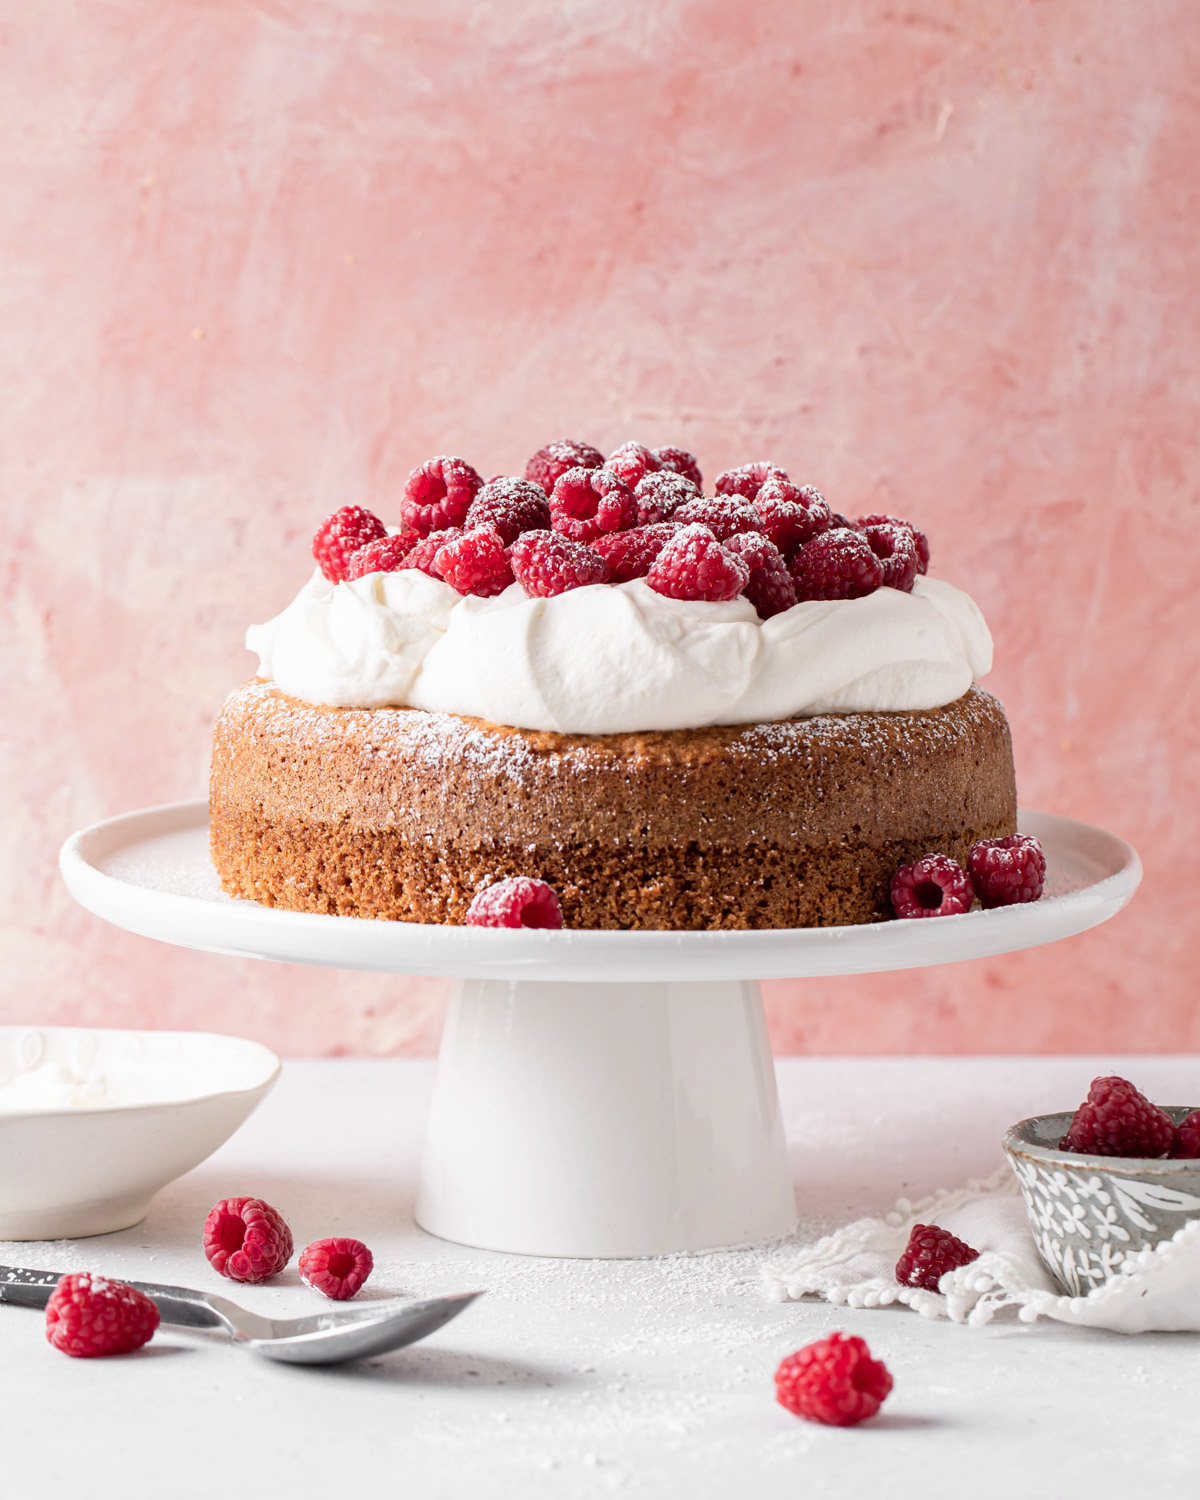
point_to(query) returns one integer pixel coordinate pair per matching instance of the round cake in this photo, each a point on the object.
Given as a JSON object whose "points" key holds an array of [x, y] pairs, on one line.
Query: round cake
{"points": [[680, 711], [406, 815]]}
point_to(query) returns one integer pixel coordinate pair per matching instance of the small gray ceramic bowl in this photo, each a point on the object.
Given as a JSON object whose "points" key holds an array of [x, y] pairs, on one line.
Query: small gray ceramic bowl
{"points": [[1088, 1213]]}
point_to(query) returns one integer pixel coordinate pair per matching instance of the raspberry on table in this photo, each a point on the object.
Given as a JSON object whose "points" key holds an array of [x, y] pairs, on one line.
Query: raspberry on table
{"points": [[341, 535], [660, 495], [770, 589], [836, 564], [680, 461], [511, 506], [1117, 1120], [1006, 872], [629, 554], [546, 563], [929, 1254], [724, 515], [475, 562], [424, 553], [694, 565], [550, 463], [90, 1315], [1187, 1137], [246, 1239], [336, 1267], [516, 901], [920, 540], [748, 479], [834, 1380], [438, 494], [588, 502], [387, 555], [933, 886], [632, 462], [791, 513]]}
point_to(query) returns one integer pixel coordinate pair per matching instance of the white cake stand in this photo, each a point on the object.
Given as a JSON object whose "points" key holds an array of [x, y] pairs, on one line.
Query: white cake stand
{"points": [[598, 1093]]}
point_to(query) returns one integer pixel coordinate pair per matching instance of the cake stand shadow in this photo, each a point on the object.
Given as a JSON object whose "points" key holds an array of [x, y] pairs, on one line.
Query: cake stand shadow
{"points": [[598, 1093]]}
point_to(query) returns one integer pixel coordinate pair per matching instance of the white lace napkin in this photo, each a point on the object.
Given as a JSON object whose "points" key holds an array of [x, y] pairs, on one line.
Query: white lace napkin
{"points": [[1156, 1289]]}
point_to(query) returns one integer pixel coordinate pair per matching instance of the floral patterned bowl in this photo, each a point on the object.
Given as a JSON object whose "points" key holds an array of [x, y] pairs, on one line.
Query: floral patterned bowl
{"points": [[1088, 1213]]}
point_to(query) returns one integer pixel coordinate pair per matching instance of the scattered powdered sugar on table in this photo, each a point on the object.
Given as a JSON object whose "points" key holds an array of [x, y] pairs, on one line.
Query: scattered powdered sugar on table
{"points": [[643, 1338]]}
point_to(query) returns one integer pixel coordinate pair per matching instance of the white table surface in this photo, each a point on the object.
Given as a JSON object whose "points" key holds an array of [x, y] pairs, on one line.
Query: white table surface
{"points": [[583, 1378]]}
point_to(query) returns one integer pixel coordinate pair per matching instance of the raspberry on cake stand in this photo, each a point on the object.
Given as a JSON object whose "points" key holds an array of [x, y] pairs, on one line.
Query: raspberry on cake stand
{"points": [[598, 1093]]}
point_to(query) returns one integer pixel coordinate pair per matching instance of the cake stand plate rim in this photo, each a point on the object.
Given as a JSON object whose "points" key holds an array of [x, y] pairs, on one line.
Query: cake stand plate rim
{"points": [[177, 900]]}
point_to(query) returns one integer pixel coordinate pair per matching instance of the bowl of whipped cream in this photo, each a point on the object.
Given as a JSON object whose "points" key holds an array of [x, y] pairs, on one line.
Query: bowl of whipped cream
{"points": [[94, 1122]]}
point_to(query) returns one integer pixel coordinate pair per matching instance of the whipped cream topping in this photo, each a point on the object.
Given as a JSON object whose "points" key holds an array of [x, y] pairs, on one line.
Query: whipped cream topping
{"points": [[54, 1086], [613, 659]]}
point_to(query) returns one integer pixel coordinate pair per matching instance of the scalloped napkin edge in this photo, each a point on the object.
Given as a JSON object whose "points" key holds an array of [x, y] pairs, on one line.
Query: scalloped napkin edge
{"points": [[1155, 1290]]}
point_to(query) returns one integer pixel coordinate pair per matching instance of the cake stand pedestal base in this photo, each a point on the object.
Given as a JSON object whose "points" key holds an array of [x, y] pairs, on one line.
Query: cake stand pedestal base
{"points": [[598, 1119]]}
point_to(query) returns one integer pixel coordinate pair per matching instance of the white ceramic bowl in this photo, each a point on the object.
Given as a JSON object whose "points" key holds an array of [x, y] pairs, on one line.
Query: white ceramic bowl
{"points": [[93, 1123]]}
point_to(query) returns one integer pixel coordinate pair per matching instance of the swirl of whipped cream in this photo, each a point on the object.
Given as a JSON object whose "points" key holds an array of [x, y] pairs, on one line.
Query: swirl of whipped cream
{"points": [[618, 659]]}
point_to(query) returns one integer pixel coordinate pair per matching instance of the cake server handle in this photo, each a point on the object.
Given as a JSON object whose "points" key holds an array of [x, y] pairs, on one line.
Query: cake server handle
{"points": [[27, 1288], [177, 1305]]}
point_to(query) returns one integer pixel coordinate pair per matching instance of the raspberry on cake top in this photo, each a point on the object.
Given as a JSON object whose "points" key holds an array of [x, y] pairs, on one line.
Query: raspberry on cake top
{"points": [[611, 596]]}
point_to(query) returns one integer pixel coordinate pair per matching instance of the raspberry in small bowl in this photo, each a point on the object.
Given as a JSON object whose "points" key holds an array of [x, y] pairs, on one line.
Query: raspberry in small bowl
{"points": [[1106, 1182]]}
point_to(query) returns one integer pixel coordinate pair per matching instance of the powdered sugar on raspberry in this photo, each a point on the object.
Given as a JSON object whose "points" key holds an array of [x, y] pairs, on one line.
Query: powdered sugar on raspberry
{"points": [[516, 901], [586, 503], [694, 565]]}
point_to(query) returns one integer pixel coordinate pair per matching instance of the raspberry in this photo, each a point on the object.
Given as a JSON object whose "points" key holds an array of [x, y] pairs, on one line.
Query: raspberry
{"points": [[341, 535], [724, 515], [511, 506], [546, 563], [935, 886], [631, 462], [660, 495], [246, 1239], [548, 464], [834, 1381], [338, 1267], [629, 554], [919, 537], [694, 565], [387, 555], [439, 494], [1005, 872], [748, 480], [896, 549], [1116, 1120], [517, 901], [89, 1315], [837, 521], [929, 1254], [679, 461], [587, 502], [425, 552], [475, 562], [837, 564], [770, 589], [791, 513], [1187, 1137]]}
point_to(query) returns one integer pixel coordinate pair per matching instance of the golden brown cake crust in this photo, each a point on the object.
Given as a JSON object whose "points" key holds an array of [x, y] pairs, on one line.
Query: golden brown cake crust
{"points": [[405, 815]]}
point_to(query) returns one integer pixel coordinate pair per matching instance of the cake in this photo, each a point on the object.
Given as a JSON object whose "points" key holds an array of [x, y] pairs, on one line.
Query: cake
{"points": [[743, 728]]}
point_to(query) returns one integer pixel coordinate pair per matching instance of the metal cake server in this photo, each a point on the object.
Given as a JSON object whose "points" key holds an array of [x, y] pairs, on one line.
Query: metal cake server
{"points": [[323, 1338]]}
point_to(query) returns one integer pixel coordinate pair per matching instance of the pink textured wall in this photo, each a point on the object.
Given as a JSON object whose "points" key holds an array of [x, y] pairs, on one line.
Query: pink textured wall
{"points": [[259, 259]]}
